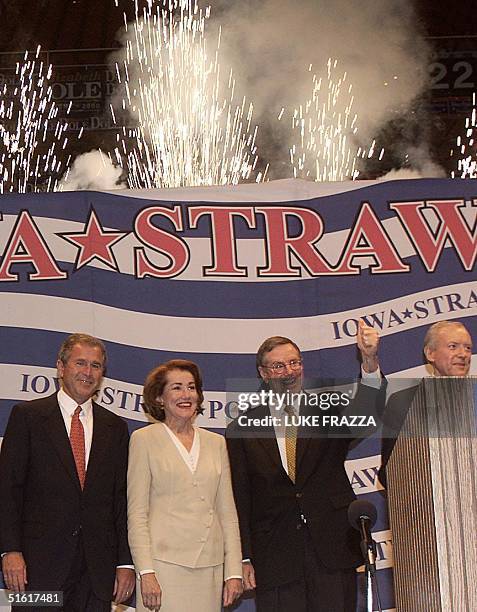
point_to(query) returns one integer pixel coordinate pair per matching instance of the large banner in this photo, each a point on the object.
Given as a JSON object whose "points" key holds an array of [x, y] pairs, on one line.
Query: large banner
{"points": [[208, 273]]}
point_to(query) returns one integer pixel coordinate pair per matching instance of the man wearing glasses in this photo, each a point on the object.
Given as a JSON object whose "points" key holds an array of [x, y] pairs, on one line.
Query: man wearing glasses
{"points": [[292, 492]]}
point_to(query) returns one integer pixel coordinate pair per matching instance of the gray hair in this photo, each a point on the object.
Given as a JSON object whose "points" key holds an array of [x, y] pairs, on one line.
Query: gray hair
{"points": [[430, 339]]}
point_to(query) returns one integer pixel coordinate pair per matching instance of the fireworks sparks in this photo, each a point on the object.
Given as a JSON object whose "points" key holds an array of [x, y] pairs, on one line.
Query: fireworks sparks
{"points": [[29, 124], [188, 131], [467, 162], [323, 128]]}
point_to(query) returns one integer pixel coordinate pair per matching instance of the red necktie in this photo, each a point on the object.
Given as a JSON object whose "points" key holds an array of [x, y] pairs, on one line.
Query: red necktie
{"points": [[77, 445]]}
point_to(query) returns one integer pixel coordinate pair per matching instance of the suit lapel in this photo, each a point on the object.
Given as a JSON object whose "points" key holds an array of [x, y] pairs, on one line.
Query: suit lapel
{"points": [[55, 428], [99, 443], [268, 440], [175, 454], [206, 458], [306, 446], [271, 446]]}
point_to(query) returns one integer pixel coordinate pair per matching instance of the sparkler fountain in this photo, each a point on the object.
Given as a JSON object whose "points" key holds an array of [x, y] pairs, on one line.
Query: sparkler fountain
{"points": [[189, 130], [466, 147], [28, 122], [323, 129]]}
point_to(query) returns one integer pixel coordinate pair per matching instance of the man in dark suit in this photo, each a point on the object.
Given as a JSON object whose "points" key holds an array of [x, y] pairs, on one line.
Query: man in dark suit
{"points": [[63, 465], [299, 550], [448, 351]]}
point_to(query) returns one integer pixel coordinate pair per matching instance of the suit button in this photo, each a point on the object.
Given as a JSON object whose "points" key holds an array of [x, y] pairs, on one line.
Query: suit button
{"points": [[299, 526], [298, 495], [194, 484], [202, 498], [76, 532]]}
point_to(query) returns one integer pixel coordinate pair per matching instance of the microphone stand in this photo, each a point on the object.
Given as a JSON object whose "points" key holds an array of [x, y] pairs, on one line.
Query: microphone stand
{"points": [[362, 516], [368, 549]]}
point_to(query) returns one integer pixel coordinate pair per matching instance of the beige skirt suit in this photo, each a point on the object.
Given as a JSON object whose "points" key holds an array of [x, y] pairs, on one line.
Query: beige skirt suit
{"points": [[182, 524]]}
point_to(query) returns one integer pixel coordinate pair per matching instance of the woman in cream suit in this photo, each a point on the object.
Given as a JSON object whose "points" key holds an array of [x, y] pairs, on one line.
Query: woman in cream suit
{"points": [[183, 528]]}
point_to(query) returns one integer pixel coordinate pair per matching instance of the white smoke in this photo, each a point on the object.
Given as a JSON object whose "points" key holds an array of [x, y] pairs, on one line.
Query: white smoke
{"points": [[270, 45], [402, 173], [92, 170], [419, 165]]}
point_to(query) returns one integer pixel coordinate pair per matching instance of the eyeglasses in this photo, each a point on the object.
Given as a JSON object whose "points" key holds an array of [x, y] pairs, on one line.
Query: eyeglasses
{"points": [[279, 367]]}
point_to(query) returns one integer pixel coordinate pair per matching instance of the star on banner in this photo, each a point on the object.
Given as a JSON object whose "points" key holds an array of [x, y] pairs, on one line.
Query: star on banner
{"points": [[407, 314], [94, 243]]}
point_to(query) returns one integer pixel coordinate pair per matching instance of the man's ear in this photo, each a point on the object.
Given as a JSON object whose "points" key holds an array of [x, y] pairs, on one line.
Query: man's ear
{"points": [[60, 367], [263, 373], [429, 353]]}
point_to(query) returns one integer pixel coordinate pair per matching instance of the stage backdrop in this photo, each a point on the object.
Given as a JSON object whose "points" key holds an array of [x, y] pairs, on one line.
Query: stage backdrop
{"points": [[208, 273]]}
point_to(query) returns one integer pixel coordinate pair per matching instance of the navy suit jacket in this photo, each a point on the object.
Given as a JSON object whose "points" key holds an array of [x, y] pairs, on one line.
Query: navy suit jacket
{"points": [[397, 408], [269, 504], [43, 510]]}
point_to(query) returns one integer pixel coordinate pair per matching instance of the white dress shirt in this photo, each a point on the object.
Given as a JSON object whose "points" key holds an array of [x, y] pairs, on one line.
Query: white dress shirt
{"points": [[191, 457], [280, 429], [68, 406]]}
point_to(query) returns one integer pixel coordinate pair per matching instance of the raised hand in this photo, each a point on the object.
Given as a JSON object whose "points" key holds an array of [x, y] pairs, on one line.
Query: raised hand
{"points": [[367, 340]]}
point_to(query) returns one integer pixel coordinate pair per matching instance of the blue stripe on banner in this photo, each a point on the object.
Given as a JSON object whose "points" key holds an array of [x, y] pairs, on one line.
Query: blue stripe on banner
{"points": [[378, 499], [247, 300], [125, 363], [179, 298], [6, 406], [133, 425], [365, 448], [131, 364], [384, 579]]}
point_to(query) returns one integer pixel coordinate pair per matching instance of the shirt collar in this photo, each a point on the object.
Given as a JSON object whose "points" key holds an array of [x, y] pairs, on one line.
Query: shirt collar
{"points": [[69, 405], [295, 403]]}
